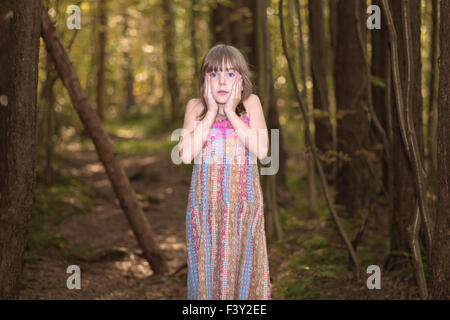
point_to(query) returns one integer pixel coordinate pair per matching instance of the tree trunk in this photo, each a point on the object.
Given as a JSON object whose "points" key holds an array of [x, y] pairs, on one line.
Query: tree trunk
{"points": [[169, 35], [267, 95], [405, 196], [48, 100], [220, 24], [323, 133], [379, 54], [128, 66], [311, 172], [354, 183], [319, 70], [440, 254], [235, 26], [104, 147], [432, 93], [102, 28], [194, 50], [19, 56]]}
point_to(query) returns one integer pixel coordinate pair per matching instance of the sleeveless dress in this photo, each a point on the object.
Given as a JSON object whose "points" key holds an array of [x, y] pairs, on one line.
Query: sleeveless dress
{"points": [[226, 242]]}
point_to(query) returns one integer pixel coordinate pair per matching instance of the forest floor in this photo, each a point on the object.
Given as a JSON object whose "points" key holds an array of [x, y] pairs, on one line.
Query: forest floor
{"points": [[309, 263]]}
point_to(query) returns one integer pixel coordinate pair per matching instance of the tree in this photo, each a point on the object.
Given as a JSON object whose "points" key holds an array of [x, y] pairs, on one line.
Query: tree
{"points": [[440, 257], [405, 196], [354, 182], [104, 148], [380, 70], [169, 39], [319, 70], [19, 55], [101, 12]]}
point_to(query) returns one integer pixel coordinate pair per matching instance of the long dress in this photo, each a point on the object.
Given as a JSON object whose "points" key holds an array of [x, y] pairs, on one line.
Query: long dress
{"points": [[226, 241]]}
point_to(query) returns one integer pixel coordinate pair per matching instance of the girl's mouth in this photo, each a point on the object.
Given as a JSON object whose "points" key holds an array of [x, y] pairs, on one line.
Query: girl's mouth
{"points": [[222, 92]]}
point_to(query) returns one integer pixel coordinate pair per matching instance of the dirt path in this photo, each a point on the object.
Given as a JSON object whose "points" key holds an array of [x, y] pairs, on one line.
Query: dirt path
{"points": [[112, 267], [102, 243]]}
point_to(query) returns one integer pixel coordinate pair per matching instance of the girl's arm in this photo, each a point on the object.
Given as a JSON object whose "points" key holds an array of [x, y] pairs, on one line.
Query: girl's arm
{"points": [[188, 146], [255, 137]]}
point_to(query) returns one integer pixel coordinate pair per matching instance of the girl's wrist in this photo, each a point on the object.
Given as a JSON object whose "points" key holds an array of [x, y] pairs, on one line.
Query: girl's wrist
{"points": [[211, 114]]}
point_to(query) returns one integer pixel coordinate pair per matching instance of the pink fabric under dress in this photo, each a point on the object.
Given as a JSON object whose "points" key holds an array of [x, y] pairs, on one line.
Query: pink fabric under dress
{"points": [[227, 252]]}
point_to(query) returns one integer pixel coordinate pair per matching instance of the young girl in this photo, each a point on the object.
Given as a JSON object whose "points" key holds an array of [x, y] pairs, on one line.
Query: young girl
{"points": [[225, 129]]}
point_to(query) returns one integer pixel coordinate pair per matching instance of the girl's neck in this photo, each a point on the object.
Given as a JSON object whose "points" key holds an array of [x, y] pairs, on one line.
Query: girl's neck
{"points": [[221, 109]]}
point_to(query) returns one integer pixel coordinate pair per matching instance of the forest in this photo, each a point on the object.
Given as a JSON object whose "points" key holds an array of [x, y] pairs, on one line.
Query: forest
{"points": [[92, 90]]}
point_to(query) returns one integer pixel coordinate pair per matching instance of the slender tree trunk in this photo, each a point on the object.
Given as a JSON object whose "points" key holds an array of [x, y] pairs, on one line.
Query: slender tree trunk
{"points": [[432, 93], [378, 70], [323, 133], [332, 5], [405, 196], [312, 194], [104, 147], [220, 24], [194, 50], [48, 100], [354, 182], [128, 67], [102, 29], [19, 56], [268, 100], [440, 254], [169, 35]]}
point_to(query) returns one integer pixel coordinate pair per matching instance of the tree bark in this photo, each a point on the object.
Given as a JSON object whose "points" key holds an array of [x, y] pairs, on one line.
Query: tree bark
{"points": [[319, 70], [432, 93], [354, 182], [194, 50], [19, 56], [440, 254], [378, 70], [104, 147], [128, 66], [220, 24], [169, 35], [405, 196], [101, 58]]}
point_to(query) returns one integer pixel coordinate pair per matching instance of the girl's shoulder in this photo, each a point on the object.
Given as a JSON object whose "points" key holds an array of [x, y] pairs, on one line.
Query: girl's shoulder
{"points": [[251, 103], [195, 105]]}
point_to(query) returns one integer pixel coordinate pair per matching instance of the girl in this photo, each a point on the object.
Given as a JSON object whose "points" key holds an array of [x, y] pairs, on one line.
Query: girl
{"points": [[225, 129]]}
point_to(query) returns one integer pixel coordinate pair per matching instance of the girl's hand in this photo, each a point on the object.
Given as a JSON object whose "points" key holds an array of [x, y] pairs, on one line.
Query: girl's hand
{"points": [[210, 101], [235, 96]]}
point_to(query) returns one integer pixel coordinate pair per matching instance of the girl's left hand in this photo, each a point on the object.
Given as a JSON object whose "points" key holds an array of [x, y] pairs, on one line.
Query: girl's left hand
{"points": [[235, 96]]}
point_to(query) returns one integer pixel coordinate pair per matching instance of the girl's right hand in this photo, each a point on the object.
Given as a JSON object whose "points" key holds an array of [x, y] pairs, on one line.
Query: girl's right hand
{"points": [[210, 101]]}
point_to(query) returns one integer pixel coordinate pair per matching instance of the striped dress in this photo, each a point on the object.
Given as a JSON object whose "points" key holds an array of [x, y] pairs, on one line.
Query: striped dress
{"points": [[227, 252]]}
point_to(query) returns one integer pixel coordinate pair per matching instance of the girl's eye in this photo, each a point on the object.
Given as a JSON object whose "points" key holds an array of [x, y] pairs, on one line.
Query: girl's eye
{"points": [[213, 74], [231, 74]]}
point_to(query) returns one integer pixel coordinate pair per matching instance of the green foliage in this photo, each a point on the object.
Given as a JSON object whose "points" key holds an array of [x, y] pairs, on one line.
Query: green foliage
{"points": [[52, 205], [144, 147], [308, 267], [316, 242]]}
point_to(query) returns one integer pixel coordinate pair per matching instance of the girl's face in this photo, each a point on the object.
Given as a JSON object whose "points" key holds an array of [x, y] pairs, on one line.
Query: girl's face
{"points": [[222, 82]]}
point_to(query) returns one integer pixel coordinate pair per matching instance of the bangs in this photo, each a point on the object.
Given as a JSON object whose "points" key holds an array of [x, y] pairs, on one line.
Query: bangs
{"points": [[222, 55]]}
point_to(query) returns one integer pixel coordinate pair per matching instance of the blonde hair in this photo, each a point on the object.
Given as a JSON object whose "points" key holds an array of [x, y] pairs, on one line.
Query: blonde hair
{"points": [[212, 62]]}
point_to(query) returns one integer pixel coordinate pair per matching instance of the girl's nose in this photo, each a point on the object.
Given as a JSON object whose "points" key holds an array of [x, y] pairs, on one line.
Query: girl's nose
{"points": [[221, 78]]}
